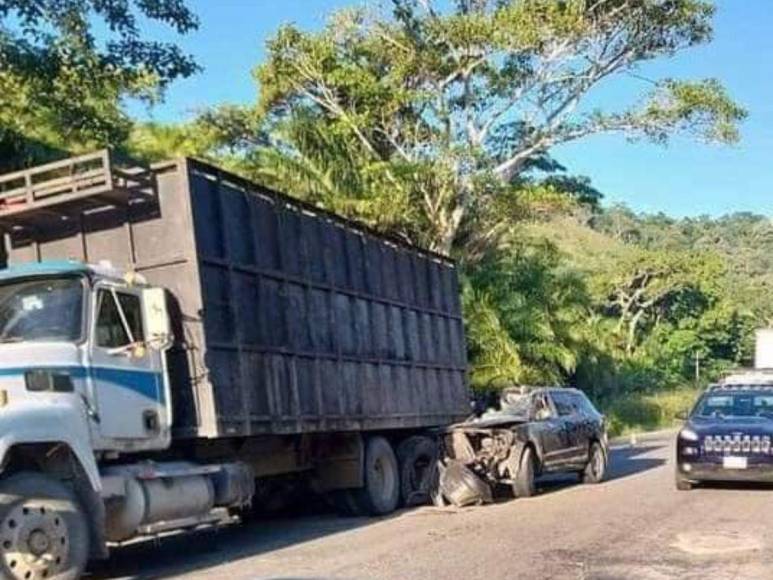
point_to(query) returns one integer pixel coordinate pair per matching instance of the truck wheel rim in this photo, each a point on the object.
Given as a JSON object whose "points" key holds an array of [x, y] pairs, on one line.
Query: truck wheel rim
{"points": [[34, 541]]}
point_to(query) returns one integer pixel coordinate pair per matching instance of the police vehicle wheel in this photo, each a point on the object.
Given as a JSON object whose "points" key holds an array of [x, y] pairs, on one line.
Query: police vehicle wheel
{"points": [[44, 531], [682, 484]]}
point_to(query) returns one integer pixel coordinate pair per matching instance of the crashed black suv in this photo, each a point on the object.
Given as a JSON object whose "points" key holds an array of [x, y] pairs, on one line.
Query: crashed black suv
{"points": [[537, 430]]}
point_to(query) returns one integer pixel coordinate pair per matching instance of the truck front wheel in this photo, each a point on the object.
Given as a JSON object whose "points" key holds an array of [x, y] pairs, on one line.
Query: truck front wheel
{"points": [[381, 492], [44, 530]]}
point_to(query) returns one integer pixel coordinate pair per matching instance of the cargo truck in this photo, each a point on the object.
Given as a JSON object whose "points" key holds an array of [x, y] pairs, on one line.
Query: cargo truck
{"points": [[175, 340]]}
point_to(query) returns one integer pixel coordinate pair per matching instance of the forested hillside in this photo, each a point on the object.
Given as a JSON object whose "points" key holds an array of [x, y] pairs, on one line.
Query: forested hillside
{"points": [[661, 292], [637, 302]]}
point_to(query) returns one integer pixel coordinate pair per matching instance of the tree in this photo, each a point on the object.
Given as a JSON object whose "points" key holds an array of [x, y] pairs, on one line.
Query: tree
{"points": [[152, 142], [658, 286], [62, 84], [448, 109], [525, 312]]}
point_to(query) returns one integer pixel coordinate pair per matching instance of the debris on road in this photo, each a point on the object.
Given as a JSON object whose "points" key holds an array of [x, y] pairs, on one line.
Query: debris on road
{"points": [[461, 486]]}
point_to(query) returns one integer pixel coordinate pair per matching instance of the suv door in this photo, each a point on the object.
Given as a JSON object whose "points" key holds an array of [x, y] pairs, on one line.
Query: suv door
{"points": [[127, 376], [574, 452], [591, 423], [547, 428]]}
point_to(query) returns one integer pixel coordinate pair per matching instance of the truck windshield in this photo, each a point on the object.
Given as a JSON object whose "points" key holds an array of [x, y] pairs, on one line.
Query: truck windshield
{"points": [[48, 309], [736, 405]]}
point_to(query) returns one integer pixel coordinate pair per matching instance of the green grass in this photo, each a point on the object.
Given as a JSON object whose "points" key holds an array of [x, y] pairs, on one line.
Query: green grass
{"points": [[634, 413]]}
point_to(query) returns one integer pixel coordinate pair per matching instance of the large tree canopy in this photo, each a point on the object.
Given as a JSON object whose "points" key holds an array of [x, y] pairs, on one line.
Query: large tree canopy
{"points": [[62, 82], [445, 109]]}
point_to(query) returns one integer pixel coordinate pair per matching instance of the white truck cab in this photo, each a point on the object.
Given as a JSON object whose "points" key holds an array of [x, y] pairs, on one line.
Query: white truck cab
{"points": [[87, 343], [83, 383]]}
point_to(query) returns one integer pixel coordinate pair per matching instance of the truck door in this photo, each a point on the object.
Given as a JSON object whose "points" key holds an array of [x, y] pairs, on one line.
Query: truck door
{"points": [[127, 376]]}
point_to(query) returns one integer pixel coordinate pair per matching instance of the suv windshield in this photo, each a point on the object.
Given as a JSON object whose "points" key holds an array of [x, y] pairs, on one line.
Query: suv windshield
{"points": [[41, 310], [746, 404], [515, 403]]}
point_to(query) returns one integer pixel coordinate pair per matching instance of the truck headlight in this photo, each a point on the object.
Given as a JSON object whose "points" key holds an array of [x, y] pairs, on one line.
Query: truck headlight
{"points": [[688, 434]]}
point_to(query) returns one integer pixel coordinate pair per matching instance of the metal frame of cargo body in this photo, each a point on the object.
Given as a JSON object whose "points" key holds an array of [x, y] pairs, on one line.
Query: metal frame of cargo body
{"points": [[290, 319]]}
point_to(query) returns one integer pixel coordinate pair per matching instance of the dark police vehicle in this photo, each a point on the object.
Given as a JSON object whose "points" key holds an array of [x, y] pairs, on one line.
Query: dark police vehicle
{"points": [[727, 435]]}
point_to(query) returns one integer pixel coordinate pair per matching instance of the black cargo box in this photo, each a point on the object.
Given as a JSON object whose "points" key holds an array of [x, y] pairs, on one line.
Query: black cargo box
{"points": [[288, 319]]}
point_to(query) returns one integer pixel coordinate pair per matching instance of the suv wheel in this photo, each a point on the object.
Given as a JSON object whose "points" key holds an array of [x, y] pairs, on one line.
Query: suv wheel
{"points": [[597, 465], [523, 486]]}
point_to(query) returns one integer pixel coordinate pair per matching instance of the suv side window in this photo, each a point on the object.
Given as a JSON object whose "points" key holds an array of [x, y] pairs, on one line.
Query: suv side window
{"points": [[563, 404], [110, 329], [583, 404], [540, 406]]}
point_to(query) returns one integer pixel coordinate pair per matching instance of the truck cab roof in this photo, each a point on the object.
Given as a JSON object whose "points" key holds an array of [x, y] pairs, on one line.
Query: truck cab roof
{"points": [[49, 268]]}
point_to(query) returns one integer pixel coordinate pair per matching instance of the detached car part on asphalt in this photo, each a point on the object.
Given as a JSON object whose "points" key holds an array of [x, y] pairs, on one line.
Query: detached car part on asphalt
{"points": [[536, 431]]}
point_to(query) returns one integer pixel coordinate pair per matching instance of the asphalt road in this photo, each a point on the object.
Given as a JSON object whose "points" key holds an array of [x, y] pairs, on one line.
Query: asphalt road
{"points": [[635, 525]]}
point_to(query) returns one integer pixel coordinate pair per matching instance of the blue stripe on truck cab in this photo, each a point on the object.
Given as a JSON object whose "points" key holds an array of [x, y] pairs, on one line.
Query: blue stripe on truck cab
{"points": [[146, 383]]}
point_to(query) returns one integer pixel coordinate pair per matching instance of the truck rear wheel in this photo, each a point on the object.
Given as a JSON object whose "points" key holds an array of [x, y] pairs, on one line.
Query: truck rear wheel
{"points": [[381, 492], [417, 457], [44, 530]]}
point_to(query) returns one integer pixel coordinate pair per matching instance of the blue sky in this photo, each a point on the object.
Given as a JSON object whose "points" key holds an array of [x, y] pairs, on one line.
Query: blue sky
{"points": [[685, 178]]}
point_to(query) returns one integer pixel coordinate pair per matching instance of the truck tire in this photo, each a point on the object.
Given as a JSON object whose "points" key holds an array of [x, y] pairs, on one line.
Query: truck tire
{"points": [[381, 492], [417, 457], [44, 531], [523, 484], [597, 465]]}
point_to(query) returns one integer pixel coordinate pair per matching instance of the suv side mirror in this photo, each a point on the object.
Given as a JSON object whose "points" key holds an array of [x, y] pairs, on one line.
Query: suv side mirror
{"points": [[158, 329], [681, 415]]}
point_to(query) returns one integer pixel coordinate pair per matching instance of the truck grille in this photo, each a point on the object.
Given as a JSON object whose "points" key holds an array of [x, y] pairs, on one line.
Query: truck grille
{"points": [[737, 443]]}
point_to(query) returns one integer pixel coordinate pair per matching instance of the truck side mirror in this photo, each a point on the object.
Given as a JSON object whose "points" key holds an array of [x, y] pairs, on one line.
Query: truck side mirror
{"points": [[158, 329]]}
